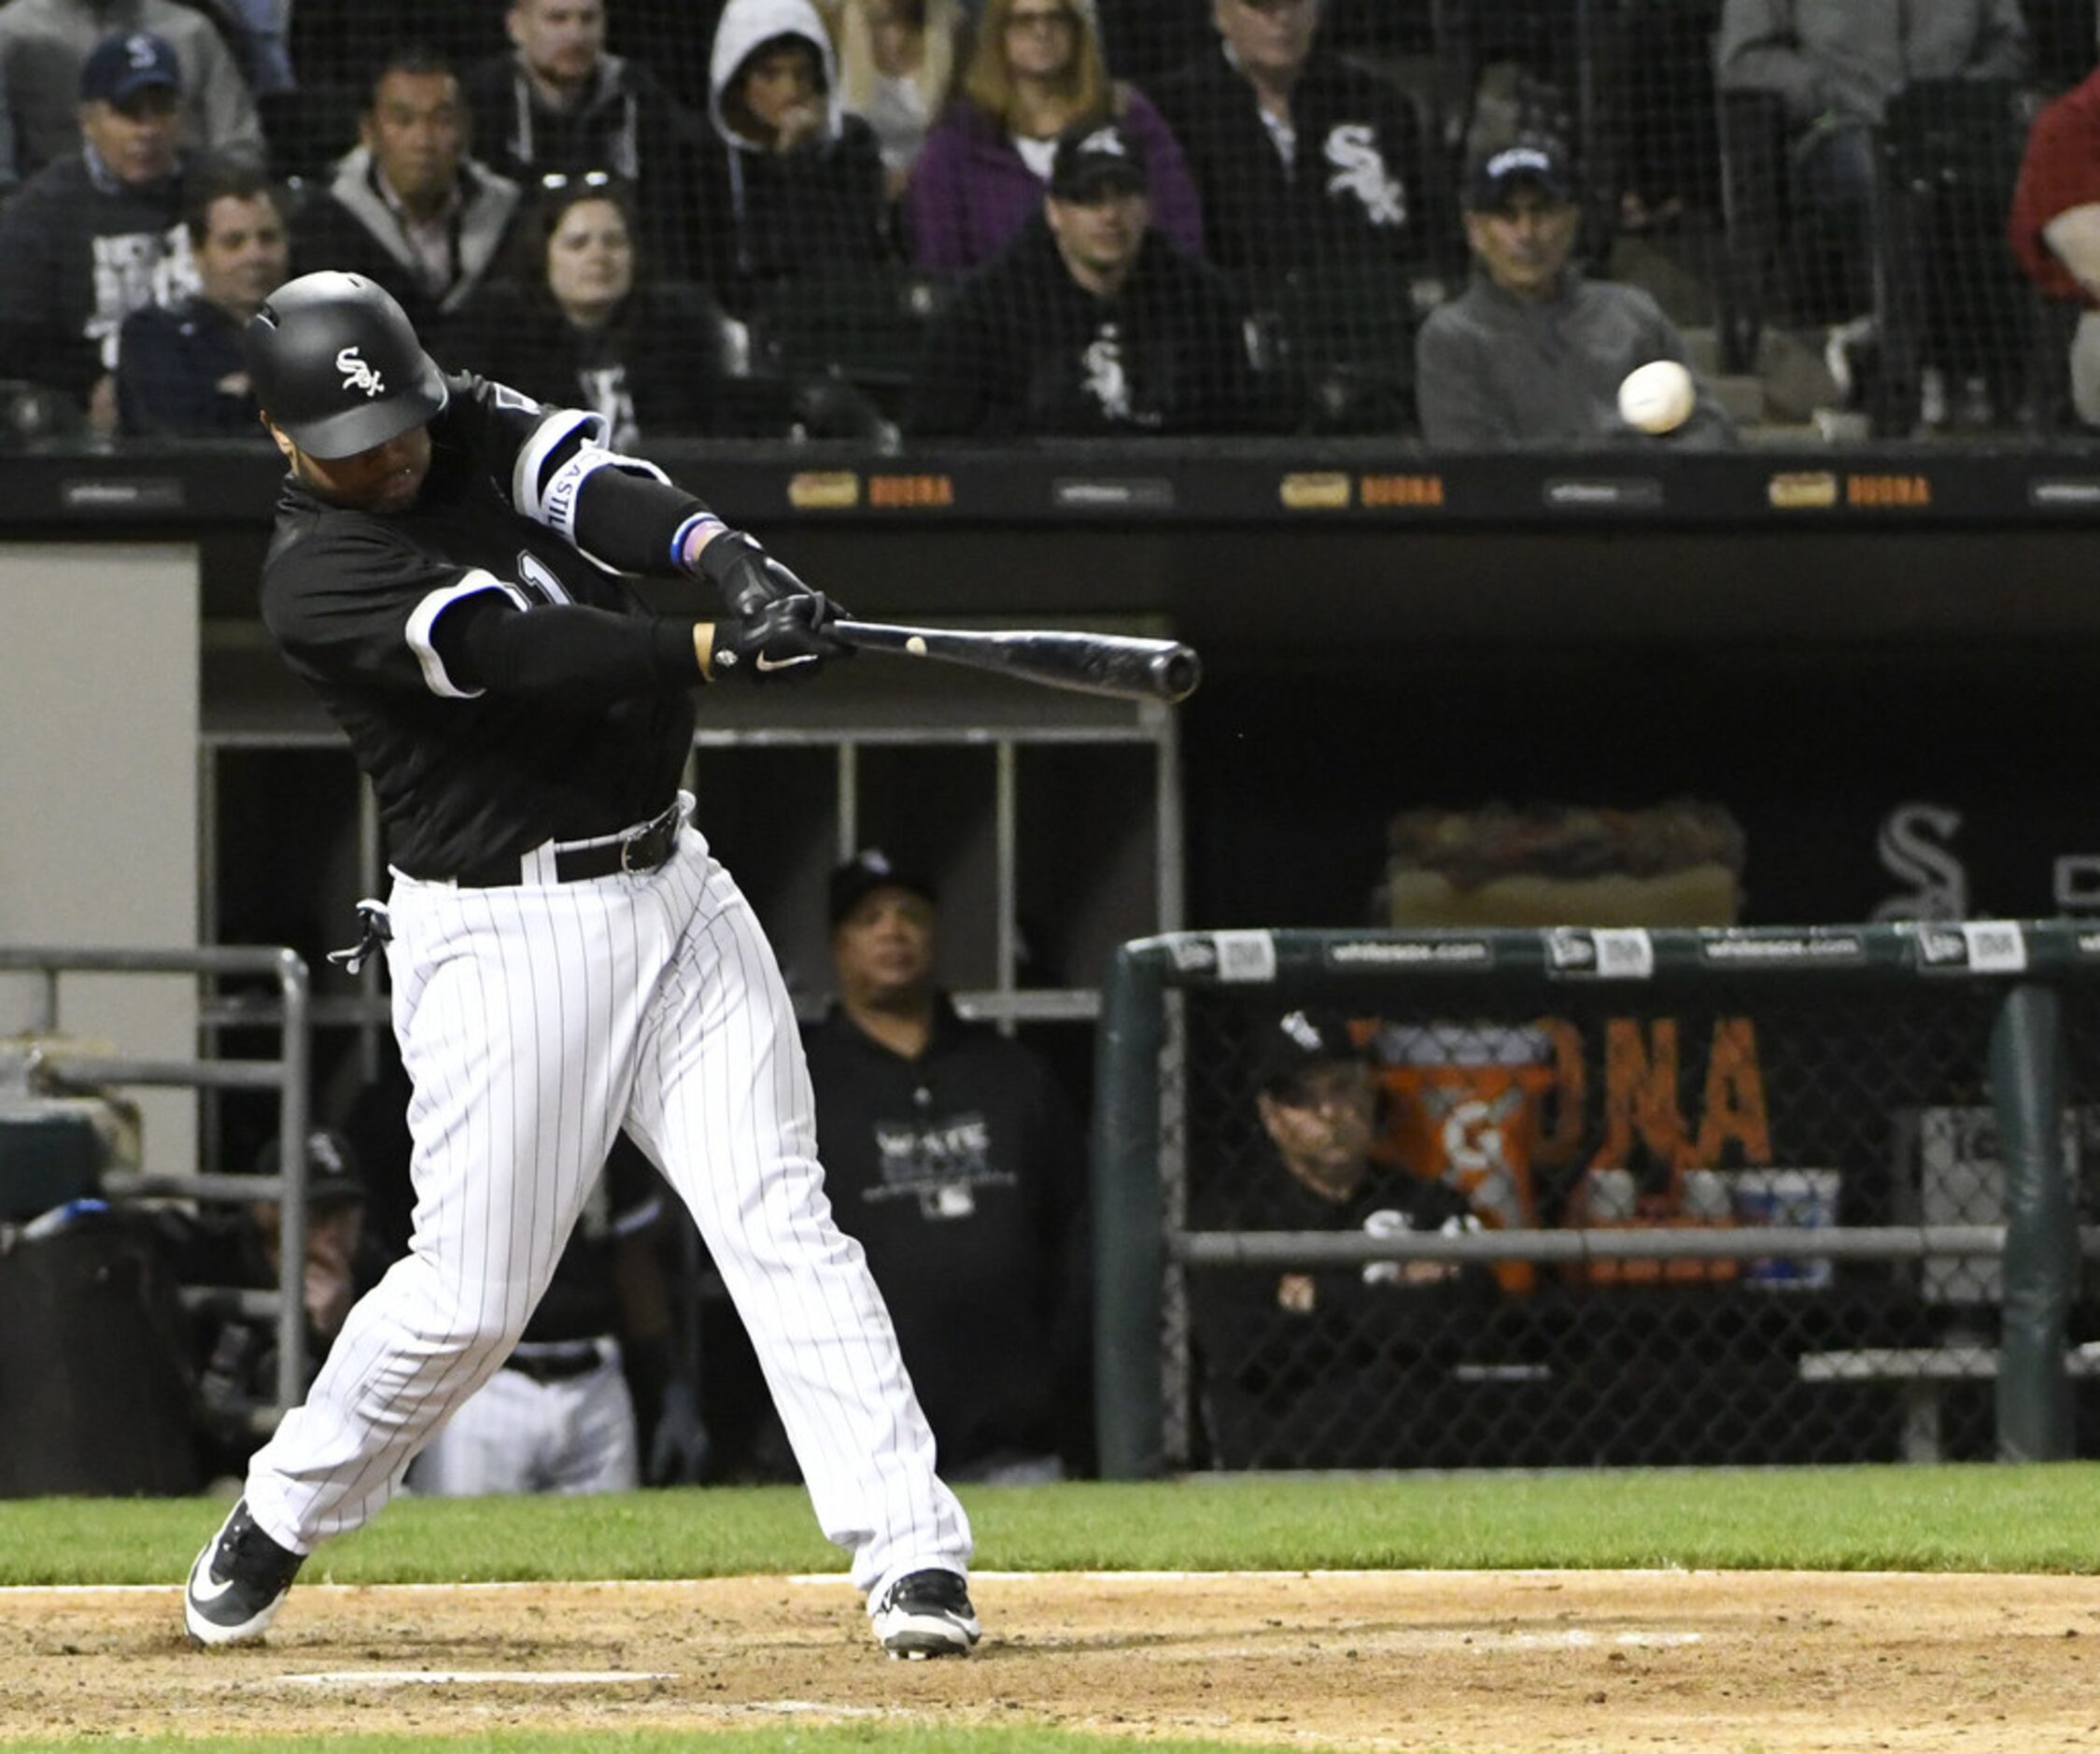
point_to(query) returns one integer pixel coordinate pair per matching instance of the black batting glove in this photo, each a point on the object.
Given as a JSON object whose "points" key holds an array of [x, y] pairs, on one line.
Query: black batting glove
{"points": [[747, 577], [785, 638]]}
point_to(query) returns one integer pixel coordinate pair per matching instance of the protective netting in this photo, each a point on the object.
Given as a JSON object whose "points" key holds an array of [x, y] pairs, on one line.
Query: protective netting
{"points": [[824, 217], [1692, 1109]]}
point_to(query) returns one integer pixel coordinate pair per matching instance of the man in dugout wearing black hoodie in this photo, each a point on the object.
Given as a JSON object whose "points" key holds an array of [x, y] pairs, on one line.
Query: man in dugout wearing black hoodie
{"points": [[953, 1158], [1089, 323]]}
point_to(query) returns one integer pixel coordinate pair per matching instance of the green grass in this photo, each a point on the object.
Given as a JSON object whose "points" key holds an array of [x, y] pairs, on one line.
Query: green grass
{"points": [[1946, 1518]]}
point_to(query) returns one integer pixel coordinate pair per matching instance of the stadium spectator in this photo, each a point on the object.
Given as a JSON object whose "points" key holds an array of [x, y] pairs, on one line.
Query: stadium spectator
{"points": [[2054, 226], [558, 105], [180, 367], [1035, 72], [1088, 322], [792, 187], [584, 322], [331, 44], [1304, 161], [1298, 1364], [951, 1155], [407, 207], [44, 45], [93, 237], [560, 1413], [1834, 65], [897, 65], [1534, 353]]}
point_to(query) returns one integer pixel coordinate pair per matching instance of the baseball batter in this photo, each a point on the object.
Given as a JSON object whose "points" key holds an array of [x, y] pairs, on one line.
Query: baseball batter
{"points": [[566, 958]]}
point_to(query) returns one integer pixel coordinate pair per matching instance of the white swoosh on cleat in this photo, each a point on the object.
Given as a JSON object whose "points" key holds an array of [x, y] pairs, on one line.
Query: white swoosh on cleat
{"points": [[202, 1589]]}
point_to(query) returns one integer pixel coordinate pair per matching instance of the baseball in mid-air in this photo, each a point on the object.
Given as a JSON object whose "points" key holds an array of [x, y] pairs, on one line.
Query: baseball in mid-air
{"points": [[1657, 397], [916, 646]]}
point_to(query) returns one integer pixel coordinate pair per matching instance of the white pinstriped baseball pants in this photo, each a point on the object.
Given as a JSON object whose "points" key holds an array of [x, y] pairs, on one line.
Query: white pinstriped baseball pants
{"points": [[533, 1021]]}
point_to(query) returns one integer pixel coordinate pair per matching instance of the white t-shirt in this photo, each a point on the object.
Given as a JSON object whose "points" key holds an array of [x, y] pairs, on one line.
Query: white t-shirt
{"points": [[1037, 154]]}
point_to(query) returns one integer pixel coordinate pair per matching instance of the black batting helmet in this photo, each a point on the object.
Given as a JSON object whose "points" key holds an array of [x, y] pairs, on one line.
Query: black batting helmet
{"points": [[337, 367]]}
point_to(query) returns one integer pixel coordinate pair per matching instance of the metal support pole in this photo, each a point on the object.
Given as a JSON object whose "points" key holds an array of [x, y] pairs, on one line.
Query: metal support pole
{"points": [[1128, 1245], [2041, 1243]]}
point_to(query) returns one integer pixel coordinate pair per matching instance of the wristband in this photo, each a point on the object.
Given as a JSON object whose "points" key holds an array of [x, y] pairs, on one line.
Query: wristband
{"points": [[701, 523]]}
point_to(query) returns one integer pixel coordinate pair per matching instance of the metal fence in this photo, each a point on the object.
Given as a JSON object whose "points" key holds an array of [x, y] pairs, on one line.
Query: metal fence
{"points": [[1755, 1196], [62, 1066]]}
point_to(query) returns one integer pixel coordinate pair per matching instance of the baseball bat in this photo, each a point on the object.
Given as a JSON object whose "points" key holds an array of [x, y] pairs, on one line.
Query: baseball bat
{"points": [[1114, 664]]}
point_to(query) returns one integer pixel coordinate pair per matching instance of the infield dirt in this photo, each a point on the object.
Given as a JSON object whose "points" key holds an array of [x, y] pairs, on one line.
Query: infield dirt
{"points": [[1525, 1662]]}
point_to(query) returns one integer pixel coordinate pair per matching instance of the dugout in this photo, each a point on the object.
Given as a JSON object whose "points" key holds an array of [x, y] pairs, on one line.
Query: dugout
{"points": [[1819, 641]]}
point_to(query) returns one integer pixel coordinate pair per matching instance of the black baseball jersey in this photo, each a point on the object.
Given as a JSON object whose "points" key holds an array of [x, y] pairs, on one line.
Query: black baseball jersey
{"points": [[353, 598], [962, 1175]]}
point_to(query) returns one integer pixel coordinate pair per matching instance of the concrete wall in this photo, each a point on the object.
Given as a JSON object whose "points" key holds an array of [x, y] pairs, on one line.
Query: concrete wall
{"points": [[98, 795]]}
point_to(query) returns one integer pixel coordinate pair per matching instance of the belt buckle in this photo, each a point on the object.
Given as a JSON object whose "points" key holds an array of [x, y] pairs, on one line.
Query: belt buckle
{"points": [[660, 833]]}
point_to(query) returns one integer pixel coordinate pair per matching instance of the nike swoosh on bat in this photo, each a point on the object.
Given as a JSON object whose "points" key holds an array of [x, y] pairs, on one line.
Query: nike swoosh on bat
{"points": [[771, 664]]}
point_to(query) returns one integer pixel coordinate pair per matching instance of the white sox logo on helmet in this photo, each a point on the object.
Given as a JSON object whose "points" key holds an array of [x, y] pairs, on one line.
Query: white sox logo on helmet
{"points": [[357, 375]]}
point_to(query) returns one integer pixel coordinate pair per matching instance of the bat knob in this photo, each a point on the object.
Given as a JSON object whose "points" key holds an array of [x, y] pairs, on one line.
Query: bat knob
{"points": [[1176, 674]]}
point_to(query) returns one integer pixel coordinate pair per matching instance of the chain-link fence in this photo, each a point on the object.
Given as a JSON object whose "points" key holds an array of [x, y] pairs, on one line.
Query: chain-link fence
{"points": [[1552, 1242]]}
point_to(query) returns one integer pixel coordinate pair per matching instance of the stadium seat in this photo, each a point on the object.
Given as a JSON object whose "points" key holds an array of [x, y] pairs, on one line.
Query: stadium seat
{"points": [[1753, 134], [1950, 149], [1341, 342], [862, 331]]}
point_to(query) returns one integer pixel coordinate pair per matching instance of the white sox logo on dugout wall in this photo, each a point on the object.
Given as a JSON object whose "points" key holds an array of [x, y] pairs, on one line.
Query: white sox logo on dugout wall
{"points": [[358, 375]]}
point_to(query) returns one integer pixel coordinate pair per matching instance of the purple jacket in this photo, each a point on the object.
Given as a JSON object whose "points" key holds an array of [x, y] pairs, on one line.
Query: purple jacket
{"points": [[971, 192]]}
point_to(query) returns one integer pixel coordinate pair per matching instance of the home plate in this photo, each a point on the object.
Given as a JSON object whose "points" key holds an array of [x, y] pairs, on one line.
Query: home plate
{"points": [[476, 1677]]}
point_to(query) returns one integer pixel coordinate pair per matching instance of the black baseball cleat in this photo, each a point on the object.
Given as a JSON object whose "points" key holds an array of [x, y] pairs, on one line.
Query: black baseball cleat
{"points": [[239, 1583], [926, 1614]]}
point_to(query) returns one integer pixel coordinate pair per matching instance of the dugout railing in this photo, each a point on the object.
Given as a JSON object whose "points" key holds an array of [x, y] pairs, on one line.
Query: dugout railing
{"points": [[1759, 1196], [65, 1064]]}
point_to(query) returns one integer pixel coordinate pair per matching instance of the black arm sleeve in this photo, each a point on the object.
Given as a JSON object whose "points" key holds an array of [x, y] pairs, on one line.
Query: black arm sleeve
{"points": [[565, 653], [629, 520], [552, 466]]}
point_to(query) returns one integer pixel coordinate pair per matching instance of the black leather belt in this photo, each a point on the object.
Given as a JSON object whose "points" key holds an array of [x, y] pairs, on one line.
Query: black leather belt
{"points": [[558, 1363], [645, 850]]}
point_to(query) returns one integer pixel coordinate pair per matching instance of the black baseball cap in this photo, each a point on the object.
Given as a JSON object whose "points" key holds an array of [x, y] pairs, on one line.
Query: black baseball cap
{"points": [[1300, 1040], [333, 1174], [126, 61], [1540, 163], [869, 870], [1095, 159]]}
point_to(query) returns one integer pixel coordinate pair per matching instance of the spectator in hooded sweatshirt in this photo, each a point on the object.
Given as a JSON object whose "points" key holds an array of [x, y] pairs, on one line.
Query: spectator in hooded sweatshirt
{"points": [[98, 235], [1089, 323], [1035, 72], [43, 44], [792, 187], [559, 107]]}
